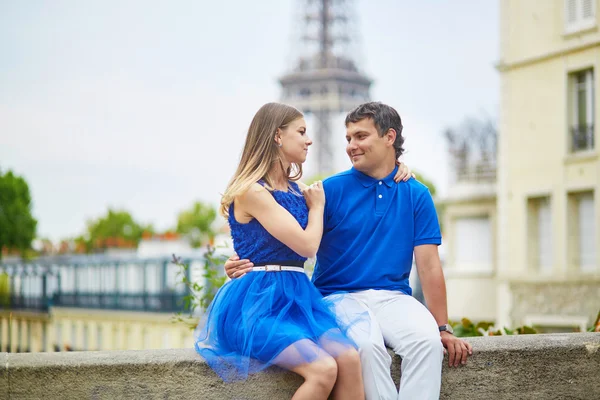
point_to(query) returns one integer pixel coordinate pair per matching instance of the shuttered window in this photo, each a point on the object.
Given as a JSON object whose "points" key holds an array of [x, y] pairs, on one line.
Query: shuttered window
{"points": [[473, 244], [539, 234], [587, 232], [544, 232], [579, 15]]}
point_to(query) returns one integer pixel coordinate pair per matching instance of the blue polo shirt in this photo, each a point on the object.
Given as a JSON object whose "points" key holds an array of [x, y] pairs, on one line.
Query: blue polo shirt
{"points": [[371, 227]]}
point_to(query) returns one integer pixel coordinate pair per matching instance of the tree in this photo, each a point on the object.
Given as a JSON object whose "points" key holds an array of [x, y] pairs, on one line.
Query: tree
{"points": [[473, 147], [314, 178], [17, 225], [425, 182], [196, 223], [117, 228], [438, 206]]}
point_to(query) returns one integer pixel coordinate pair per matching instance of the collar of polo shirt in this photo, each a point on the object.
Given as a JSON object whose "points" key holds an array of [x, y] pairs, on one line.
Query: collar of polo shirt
{"points": [[368, 181]]}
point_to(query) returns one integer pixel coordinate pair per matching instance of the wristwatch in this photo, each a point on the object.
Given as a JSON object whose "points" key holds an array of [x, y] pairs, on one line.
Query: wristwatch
{"points": [[447, 328]]}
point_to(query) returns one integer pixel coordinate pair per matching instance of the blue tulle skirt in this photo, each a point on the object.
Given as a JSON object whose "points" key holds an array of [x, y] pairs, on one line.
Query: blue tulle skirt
{"points": [[267, 318]]}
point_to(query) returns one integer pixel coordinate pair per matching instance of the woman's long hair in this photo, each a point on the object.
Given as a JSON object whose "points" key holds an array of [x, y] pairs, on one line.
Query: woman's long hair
{"points": [[261, 152]]}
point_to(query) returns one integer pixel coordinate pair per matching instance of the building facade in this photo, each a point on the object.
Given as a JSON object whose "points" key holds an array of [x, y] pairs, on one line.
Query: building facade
{"points": [[541, 226]]}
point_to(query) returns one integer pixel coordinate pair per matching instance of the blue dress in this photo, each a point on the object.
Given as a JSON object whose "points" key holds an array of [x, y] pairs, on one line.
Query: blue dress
{"points": [[266, 318]]}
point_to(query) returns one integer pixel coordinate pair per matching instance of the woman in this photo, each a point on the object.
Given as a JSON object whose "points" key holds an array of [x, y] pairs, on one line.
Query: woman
{"points": [[274, 315]]}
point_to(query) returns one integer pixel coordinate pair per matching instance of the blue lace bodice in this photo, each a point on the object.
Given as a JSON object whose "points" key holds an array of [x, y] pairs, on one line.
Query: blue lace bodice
{"points": [[253, 242]]}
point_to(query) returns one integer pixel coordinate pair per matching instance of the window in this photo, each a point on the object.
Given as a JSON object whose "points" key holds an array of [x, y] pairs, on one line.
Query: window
{"points": [[587, 234], [582, 110], [582, 231], [99, 336], [540, 234], [473, 244], [579, 15]]}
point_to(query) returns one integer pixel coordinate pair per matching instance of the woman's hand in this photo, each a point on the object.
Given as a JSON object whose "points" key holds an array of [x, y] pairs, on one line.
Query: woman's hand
{"points": [[314, 195], [404, 173]]}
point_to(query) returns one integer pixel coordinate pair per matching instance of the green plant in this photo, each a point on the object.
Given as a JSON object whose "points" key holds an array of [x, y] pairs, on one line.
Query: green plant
{"points": [[596, 326], [4, 290], [199, 297], [466, 328]]}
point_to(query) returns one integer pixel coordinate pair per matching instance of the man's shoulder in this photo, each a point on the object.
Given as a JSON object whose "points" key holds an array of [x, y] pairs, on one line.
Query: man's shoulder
{"points": [[415, 187], [414, 192]]}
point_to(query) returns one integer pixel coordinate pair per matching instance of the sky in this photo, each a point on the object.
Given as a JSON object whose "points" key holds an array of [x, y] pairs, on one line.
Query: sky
{"points": [[144, 105]]}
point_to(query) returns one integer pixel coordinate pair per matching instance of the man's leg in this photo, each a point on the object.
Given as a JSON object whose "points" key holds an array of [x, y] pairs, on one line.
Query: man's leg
{"points": [[374, 358], [411, 331]]}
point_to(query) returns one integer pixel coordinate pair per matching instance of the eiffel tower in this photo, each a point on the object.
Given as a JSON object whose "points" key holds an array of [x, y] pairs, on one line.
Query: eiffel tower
{"points": [[324, 80]]}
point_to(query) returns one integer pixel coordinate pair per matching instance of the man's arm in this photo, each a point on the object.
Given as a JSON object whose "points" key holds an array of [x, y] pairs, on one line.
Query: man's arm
{"points": [[432, 280], [236, 268]]}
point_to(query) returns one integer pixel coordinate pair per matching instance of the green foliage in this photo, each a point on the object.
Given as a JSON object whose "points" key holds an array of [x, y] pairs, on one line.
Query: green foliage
{"points": [[4, 290], [426, 182], [196, 223], [17, 225], [596, 326], [116, 228], [466, 328], [438, 207], [314, 178], [199, 297]]}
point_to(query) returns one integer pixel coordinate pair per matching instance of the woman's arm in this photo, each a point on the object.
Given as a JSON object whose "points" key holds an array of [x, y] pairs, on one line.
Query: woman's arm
{"points": [[260, 204]]}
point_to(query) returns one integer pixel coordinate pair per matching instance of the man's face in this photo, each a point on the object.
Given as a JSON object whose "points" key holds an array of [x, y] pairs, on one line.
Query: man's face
{"points": [[367, 151]]}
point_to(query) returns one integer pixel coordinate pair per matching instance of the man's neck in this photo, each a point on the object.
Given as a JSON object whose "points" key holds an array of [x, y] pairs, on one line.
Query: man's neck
{"points": [[381, 171]]}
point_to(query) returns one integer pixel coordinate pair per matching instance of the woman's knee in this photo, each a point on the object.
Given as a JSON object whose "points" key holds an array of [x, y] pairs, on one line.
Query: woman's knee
{"points": [[348, 360], [323, 371]]}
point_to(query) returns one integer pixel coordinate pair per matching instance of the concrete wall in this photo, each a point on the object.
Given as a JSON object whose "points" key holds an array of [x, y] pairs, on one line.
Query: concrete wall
{"points": [[560, 366]]}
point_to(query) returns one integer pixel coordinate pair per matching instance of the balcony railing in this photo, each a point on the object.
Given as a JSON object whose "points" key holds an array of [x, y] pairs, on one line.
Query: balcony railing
{"points": [[17, 302], [582, 137], [153, 285], [477, 173]]}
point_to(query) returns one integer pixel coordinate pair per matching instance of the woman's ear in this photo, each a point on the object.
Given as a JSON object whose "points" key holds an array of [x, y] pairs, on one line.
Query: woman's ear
{"points": [[277, 137]]}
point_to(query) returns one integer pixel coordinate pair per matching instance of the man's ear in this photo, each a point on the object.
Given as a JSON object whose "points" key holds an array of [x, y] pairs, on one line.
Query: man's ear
{"points": [[391, 136]]}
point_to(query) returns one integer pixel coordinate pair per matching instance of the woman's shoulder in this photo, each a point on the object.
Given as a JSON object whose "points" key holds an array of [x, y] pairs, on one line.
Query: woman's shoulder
{"points": [[256, 189], [255, 193]]}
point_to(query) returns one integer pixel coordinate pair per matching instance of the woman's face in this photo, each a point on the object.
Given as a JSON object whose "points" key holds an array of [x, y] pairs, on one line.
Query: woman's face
{"points": [[294, 141]]}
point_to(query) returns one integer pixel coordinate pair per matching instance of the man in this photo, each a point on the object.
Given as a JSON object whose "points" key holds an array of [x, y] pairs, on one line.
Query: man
{"points": [[372, 229]]}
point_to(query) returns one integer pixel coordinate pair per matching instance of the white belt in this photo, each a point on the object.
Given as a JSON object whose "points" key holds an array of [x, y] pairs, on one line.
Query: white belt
{"points": [[278, 268]]}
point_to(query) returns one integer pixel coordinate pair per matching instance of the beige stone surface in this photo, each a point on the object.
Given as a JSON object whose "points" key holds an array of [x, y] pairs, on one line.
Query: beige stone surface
{"points": [[555, 298], [561, 366], [3, 376]]}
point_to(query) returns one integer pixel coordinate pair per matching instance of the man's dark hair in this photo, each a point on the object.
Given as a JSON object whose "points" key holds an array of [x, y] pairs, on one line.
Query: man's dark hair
{"points": [[384, 117]]}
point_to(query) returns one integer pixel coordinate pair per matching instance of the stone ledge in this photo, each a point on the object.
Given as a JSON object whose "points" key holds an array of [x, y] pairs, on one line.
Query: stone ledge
{"points": [[558, 366]]}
